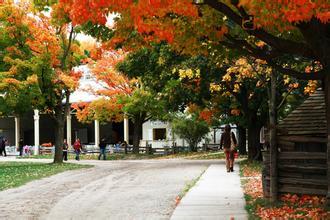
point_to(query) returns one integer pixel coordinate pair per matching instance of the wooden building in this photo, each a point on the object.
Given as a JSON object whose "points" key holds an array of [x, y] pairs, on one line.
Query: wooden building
{"points": [[301, 141]]}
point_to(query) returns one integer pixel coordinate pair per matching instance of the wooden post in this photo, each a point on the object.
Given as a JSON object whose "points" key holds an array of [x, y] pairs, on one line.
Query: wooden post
{"points": [[327, 104], [272, 139]]}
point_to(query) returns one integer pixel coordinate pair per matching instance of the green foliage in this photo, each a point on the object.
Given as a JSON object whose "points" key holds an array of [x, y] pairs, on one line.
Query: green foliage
{"points": [[142, 104], [157, 68], [100, 32], [14, 174], [16, 67], [191, 129]]}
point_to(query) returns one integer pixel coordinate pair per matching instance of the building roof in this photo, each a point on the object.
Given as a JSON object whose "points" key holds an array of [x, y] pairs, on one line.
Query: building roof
{"points": [[87, 83], [309, 119]]}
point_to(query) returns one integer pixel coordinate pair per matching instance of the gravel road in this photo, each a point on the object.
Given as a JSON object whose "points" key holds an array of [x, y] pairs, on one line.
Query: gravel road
{"points": [[111, 190]]}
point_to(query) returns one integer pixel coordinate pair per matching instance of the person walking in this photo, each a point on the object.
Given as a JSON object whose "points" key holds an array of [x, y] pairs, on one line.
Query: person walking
{"points": [[77, 148], [117, 147], [3, 146], [228, 142], [20, 146], [102, 146], [65, 150]]}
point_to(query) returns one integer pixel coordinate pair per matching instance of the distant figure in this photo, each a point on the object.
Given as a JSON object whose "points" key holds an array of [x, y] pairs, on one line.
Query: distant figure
{"points": [[20, 146], [65, 150], [102, 146], [77, 148], [26, 150], [3, 146], [117, 147], [228, 142]]}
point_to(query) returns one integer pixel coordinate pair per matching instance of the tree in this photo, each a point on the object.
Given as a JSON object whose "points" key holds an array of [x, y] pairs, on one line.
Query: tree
{"points": [[169, 82], [191, 128], [140, 107], [243, 24], [52, 54], [18, 83]]}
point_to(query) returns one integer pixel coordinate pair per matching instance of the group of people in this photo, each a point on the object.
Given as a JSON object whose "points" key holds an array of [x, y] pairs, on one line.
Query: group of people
{"points": [[78, 148]]}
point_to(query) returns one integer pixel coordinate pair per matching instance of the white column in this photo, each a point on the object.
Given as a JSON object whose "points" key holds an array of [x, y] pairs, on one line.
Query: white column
{"points": [[68, 131], [17, 131], [126, 129], [97, 133], [36, 132]]}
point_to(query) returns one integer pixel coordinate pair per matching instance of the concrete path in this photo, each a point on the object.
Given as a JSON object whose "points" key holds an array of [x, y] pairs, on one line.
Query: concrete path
{"points": [[217, 195], [115, 190]]}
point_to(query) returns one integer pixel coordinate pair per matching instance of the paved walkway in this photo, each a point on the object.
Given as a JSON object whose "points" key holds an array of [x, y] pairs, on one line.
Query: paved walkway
{"points": [[217, 195]]}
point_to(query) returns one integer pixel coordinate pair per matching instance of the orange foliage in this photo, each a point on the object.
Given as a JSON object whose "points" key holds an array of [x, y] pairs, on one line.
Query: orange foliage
{"points": [[235, 112], [206, 115], [104, 70], [160, 19], [44, 39], [292, 207], [283, 13], [114, 84]]}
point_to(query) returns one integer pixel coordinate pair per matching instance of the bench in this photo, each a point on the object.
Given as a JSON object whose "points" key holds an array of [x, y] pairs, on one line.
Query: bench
{"points": [[46, 150]]}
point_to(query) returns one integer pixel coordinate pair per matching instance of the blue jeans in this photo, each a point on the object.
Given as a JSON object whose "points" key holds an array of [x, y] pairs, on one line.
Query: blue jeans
{"points": [[102, 151], [77, 154]]}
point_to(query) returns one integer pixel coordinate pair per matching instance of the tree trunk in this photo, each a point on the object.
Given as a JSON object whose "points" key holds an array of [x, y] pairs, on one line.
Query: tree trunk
{"points": [[241, 140], [253, 140], [327, 104], [137, 135], [272, 139], [59, 136], [193, 146]]}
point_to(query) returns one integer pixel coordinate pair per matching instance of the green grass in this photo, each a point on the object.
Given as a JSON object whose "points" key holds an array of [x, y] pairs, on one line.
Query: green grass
{"points": [[250, 166], [200, 155], [14, 174]]}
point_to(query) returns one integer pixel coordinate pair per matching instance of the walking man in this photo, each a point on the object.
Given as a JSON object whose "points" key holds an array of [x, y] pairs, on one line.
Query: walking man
{"points": [[102, 146], [3, 146]]}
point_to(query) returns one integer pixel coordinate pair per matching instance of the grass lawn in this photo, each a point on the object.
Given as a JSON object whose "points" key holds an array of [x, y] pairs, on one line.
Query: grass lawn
{"points": [[14, 174], [289, 206], [130, 156]]}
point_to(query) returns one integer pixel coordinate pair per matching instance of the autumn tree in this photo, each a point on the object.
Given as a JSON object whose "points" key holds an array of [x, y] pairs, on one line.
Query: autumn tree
{"points": [[241, 95], [18, 83], [295, 30], [46, 50]]}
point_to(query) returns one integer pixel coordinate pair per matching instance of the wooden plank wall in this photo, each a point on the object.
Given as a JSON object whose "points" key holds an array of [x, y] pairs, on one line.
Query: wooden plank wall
{"points": [[298, 172]]}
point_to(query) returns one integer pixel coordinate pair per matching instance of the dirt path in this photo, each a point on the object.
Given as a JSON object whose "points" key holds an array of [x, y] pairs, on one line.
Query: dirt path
{"points": [[110, 190]]}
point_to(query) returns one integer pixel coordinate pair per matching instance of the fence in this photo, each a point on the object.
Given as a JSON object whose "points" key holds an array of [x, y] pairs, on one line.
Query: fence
{"points": [[298, 172]]}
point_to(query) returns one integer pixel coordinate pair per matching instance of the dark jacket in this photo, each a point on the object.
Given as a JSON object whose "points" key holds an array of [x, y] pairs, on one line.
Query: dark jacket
{"points": [[102, 145], [225, 141]]}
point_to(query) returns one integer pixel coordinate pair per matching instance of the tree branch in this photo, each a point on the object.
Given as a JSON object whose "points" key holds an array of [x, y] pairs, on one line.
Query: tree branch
{"points": [[66, 50], [282, 45], [284, 98], [257, 53], [319, 75]]}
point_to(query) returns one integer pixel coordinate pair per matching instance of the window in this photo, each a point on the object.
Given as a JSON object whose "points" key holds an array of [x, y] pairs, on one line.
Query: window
{"points": [[159, 134]]}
